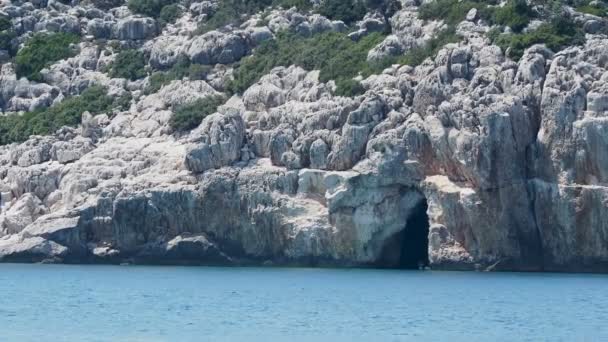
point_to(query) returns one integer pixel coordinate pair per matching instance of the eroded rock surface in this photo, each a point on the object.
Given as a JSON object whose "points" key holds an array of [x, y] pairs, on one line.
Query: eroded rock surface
{"points": [[508, 159]]}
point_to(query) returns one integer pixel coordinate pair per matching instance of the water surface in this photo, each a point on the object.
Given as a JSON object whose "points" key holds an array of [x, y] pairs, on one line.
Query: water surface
{"points": [[131, 303]]}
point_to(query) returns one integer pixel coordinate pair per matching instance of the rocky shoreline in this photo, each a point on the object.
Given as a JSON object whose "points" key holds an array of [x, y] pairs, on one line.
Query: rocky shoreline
{"points": [[508, 158]]}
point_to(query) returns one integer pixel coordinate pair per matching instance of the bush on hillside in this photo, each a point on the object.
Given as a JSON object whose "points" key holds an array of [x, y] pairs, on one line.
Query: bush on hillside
{"points": [[18, 128], [596, 8], [7, 42], [182, 69], [189, 116], [452, 12], [348, 87], [128, 64], [5, 23], [41, 50], [169, 14], [150, 8], [334, 54], [561, 32], [348, 11], [107, 4], [516, 14]]}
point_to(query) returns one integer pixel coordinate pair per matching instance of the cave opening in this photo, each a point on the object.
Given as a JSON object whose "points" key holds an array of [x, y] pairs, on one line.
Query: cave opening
{"points": [[409, 247]]}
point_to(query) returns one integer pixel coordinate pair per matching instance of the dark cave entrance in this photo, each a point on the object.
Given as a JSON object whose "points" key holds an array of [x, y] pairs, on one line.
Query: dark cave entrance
{"points": [[409, 247]]}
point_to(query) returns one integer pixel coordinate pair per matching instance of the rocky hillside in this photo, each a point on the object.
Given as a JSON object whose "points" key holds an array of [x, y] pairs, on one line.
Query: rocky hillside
{"points": [[460, 134]]}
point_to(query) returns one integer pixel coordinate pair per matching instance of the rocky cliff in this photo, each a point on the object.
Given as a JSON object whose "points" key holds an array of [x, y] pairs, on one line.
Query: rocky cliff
{"points": [[473, 158]]}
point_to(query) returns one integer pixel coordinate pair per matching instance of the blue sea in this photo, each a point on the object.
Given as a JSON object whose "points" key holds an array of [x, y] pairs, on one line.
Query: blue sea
{"points": [[137, 303]]}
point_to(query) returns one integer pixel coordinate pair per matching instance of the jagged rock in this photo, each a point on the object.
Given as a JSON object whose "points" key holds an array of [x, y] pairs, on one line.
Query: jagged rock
{"points": [[216, 142], [166, 50], [505, 162], [135, 28], [216, 47]]}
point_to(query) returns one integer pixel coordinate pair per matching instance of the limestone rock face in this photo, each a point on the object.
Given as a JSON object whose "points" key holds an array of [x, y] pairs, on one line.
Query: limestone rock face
{"points": [[216, 142], [216, 47], [135, 28], [470, 159]]}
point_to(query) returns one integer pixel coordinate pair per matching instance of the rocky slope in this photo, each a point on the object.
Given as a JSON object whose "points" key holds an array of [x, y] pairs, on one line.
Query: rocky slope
{"points": [[507, 160]]}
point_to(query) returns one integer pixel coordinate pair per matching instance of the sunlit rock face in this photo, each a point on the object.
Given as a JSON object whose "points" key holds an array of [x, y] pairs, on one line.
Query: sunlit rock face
{"points": [[467, 161]]}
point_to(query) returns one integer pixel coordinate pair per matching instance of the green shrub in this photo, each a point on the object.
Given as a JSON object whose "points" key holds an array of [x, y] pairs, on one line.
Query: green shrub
{"points": [[334, 54], [301, 5], [107, 4], [7, 41], [348, 11], [516, 14], [183, 68], [597, 10], [349, 87], [556, 35], [450, 11], [5, 23], [128, 64], [189, 116], [42, 50], [169, 14], [18, 128], [150, 8]]}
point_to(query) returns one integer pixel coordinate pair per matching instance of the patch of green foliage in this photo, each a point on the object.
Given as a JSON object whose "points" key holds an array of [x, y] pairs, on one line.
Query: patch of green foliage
{"points": [[107, 4], [128, 64], [189, 116], [169, 14], [516, 14], [334, 54], [452, 11], [348, 87], [596, 8], [150, 8], [557, 34], [5, 23], [42, 50], [6, 41], [7, 36], [348, 11], [182, 69], [18, 128]]}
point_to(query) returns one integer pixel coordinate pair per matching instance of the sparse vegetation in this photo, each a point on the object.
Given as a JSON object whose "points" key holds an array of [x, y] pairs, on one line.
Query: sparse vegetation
{"points": [[150, 8], [348, 11], [516, 14], [7, 36], [5, 23], [169, 14], [18, 128], [596, 8], [556, 35], [182, 69], [107, 4], [189, 116], [452, 11], [334, 54], [129, 64], [42, 50]]}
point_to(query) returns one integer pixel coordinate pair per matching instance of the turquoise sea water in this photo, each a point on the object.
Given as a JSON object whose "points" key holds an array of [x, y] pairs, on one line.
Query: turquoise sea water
{"points": [[129, 303]]}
